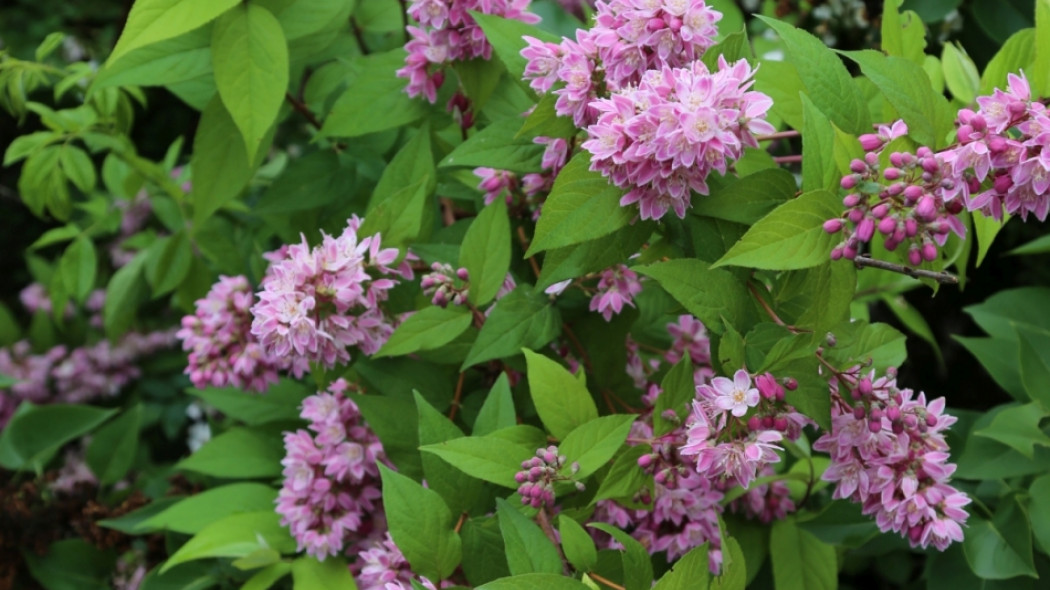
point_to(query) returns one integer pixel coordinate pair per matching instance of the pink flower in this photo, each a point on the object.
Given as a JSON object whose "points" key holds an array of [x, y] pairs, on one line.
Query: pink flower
{"points": [[734, 396], [617, 287]]}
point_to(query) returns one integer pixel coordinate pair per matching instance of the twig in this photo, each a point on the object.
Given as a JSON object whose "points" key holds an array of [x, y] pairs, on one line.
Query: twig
{"points": [[787, 159], [459, 523], [525, 245], [945, 278], [359, 37], [448, 213], [778, 135], [544, 520], [404, 18], [456, 397], [606, 581], [301, 108]]}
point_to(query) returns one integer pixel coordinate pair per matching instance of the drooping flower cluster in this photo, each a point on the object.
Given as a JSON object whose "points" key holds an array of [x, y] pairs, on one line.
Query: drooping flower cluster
{"points": [[223, 350], [627, 38], [659, 140], [448, 33], [75, 375], [617, 287], [318, 302], [330, 494], [888, 454], [538, 474], [912, 201], [382, 566], [442, 286]]}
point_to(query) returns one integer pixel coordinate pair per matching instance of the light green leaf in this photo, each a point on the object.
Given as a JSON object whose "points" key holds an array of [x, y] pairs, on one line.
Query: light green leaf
{"points": [[330, 574], [193, 514], [790, 237], [489, 458], [528, 549], [151, 21], [625, 479], [268, 576], [428, 329], [1018, 428], [709, 294], [250, 58], [460, 491], [637, 567], [485, 252], [960, 73], [594, 443], [577, 544], [1017, 53], [818, 149], [691, 572], [78, 267], [498, 410], [1040, 71], [179, 59], [497, 147], [800, 560], [534, 581], [561, 400], [168, 262], [78, 168], [505, 35], [421, 526], [238, 453], [582, 206], [236, 535], [985, 229], [281, 402]]}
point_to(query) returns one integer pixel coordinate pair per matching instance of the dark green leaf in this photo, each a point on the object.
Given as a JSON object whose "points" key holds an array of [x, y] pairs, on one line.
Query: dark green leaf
{"points": [[800, 560], [168, 262], [237, 453], [314, 180], [1018, 428], [497, 147], [522, 318], [1035, 364], [71, 564], [34, 434], [126, 289], [625, 479], [679, 388], [595, 255], [709, 294], [528, 549], [428, 329], [750, 198], [484, 556], [460, 491], [376, 83], [280, 402], [485, 252], [113, 447], [505, 35], [637, 567], [78, 267], [1000, 548]]}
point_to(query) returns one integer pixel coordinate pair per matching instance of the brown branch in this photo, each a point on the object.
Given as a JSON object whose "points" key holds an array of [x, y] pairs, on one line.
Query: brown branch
{"points": [[525, 246], [945, 278], [606, 581], [787, 159], [448, 212], [456, 397], [778, 135], [544, 520], [301, 108], [459, 523]]}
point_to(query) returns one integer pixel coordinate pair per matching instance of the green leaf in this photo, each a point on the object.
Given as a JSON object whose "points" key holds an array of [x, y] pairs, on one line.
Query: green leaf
{"points": [[1039, 510], [78, 267], [907, 88], [750, 198], [221, 168], [35, 433], [330, 574], [561, 400], [1040, 245], [179, 59], [544, 121], [193, 514], [268, 576], [300, 18], [1035, 364], [354, 112], [625, 479], [733, 47], [637, 567], [498, 410], [485, 252], [1000, 312], [114, 446], [1000, 548], [168, 262], [734, 567], [903, 35], [528, 549], [1018, 428], [413, 164], [999, 358], [236, 535], [818, 149], [817, 298], [858, 341], [1040, 71], [395, 423], [825, 78], [582, 206], [459, 490], [913, 321], [250, 57], [428, 329], [985, 230], [594, 255], [125, 291], [690, 572], [238, 453], [130, 522], [484, 555], [594, 443], [534, 581], [497, 147], [505, 35], [78, 168], [800, 560], [151, 21], [489, 458], [790, 237], [309, 182], [71, 564], [960, 73], [679, 388], [577, 544], [983, 458], [280, 402], [1018, 52], [709, 294], [421, 526], [522, 318]]}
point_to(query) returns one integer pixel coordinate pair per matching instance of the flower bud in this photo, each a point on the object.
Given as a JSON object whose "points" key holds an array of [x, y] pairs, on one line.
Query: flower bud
{"points": [[857, 166], [833, 226], [929, 252], [887, 226], [869, 142], [848, 182]]}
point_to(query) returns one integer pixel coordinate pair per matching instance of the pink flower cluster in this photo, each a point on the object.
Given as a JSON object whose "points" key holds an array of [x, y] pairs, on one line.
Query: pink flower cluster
{"points": [[330, 493], [888, 454], [726, 446], [382, 566], [617, 287], [74, 375], [317, 302], [660, 139], [447, 33], [502, 182], [912, 201], [442, 286], [223, 350], [628, 38], [538, 474]]}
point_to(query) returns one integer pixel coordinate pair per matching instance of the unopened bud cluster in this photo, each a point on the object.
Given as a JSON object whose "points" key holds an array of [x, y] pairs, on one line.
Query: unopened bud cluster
{"points": [[538, 474], [445, 285]]}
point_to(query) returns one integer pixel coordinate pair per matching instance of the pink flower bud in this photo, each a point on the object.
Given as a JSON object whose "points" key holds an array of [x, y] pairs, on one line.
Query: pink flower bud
{"points": [[851, 200], [897, 159], [891, 173], [754, 423], [858, 166], [833, 226], [887, 226], [858, 412], [929, 252], [926, 209], [914, 256], [848, 182], [869, 142]]}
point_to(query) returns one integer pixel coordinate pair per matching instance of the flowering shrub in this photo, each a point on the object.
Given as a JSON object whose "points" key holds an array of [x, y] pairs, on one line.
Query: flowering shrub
{"points": [[427, 246]]}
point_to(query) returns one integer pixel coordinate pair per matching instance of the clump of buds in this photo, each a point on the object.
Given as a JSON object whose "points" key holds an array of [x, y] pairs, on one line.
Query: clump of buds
{"points": [[538, 474], [446, 285]]}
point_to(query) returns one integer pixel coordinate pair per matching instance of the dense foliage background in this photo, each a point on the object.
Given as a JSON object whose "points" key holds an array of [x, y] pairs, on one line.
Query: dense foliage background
{"points": [[169, 170]]}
